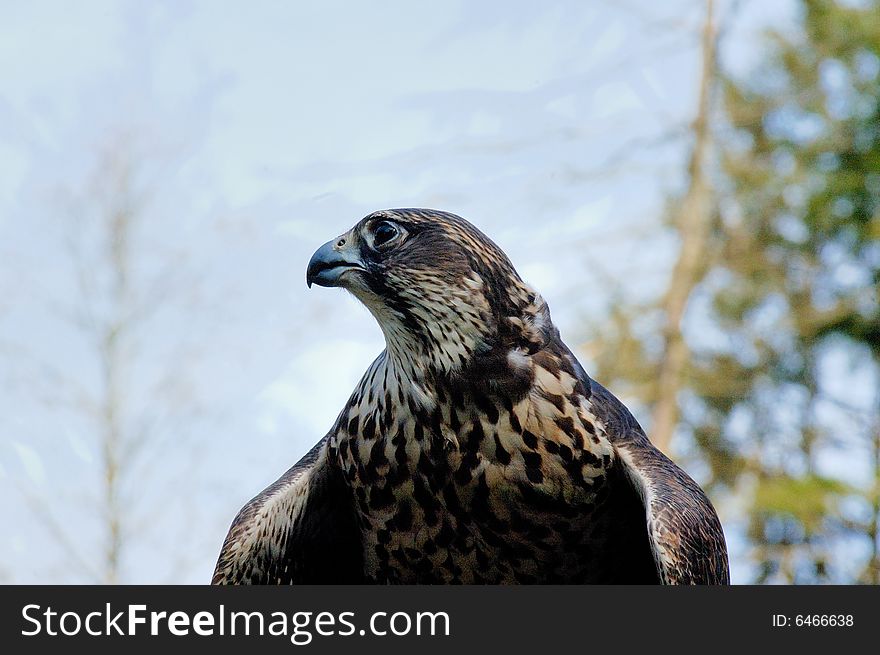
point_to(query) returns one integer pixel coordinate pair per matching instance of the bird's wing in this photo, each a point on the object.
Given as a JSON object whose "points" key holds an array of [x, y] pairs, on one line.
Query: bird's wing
{"points": [[685, 535], [300, 530]]}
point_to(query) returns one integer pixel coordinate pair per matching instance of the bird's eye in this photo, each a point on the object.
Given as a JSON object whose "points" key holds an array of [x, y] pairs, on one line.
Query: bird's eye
{"points": [[384, 233]]}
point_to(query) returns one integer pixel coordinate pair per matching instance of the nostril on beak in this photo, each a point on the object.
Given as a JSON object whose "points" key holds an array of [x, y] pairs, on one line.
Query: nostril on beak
{"points": [[330, 263]]}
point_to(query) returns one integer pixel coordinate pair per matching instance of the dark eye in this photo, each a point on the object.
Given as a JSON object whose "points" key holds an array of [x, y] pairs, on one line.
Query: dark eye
{"points": [[384, 233]]}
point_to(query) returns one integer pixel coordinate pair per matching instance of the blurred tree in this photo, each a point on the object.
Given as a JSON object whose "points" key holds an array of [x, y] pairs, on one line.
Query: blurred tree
{"points": [[117, 376], [800, 269], [780, 393], [693, 219]]}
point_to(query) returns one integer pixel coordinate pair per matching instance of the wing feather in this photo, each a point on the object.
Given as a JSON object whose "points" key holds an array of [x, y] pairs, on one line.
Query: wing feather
{"points": [[685, 535], [300, 530]]}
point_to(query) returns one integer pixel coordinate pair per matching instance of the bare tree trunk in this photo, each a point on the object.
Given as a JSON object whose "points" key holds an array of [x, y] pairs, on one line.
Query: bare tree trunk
{"points": [[693, 224], [874, 526], [110, 461], [111, 348]]}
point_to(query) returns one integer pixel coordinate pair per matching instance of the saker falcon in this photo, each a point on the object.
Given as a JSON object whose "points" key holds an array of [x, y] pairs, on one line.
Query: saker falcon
{"points": [[475, 449]]}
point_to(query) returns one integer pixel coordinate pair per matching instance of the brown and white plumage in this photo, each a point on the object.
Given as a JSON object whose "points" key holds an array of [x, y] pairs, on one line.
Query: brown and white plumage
{"points": [[475, 449]]}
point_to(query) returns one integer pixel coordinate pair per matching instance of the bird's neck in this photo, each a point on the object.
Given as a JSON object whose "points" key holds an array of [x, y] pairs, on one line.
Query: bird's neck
{"points": [[441, 328], [445, 338]]}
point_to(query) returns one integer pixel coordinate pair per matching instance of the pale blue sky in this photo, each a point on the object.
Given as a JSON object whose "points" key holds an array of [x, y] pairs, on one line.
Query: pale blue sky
{"points": [[261, 130]]}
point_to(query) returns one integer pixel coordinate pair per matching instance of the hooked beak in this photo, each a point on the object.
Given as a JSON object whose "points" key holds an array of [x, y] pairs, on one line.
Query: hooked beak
{"points": [[331, 261]]}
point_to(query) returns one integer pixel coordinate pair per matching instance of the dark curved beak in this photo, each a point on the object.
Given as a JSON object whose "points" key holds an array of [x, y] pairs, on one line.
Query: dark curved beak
{"points": [[331, 261]]}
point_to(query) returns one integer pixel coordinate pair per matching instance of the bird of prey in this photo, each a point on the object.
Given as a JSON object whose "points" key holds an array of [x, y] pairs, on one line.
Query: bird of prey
{"points": [[475, 449]]}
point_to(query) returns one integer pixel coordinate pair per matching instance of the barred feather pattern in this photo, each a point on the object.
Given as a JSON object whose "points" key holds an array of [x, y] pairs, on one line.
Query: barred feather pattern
{"points": [[475, 449]]}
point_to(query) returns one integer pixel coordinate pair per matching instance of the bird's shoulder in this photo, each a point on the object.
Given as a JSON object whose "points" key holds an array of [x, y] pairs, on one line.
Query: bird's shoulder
{"points": [[686, 535]]}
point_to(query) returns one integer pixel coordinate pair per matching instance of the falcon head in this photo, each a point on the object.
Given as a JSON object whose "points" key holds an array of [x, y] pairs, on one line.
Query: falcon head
{"points": [[438, 287]]}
